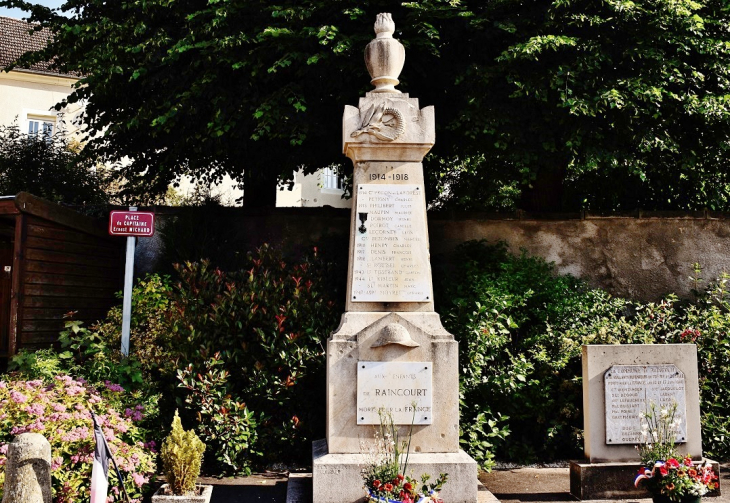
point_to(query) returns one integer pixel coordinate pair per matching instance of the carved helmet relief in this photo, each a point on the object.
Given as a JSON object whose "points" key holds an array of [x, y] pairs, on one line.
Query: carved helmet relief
{"points": [[394, 333]]}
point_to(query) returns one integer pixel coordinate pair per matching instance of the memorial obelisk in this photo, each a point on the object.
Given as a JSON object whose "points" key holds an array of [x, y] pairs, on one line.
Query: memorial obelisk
{"points": [[390, 351]]}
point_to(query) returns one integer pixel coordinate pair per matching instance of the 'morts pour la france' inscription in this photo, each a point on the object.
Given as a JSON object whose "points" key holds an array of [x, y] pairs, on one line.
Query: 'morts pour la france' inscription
{"points": [[391, 262], [630, 389], [402, 389]]}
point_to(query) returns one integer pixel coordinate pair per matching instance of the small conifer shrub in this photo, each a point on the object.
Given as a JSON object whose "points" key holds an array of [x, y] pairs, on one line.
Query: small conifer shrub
{"points": [[182, 455]]}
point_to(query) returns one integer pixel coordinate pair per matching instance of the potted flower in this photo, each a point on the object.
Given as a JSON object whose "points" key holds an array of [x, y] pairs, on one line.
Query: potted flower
{"points": [[182, 455], [385, 477], [667, 476]]}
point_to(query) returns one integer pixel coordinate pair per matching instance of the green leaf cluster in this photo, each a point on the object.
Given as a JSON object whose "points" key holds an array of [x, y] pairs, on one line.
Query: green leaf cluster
{"points": [[50, 167], [557, 96]]}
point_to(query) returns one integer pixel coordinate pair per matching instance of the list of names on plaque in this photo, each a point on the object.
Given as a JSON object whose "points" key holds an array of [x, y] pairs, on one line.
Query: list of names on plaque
{"points": [[391, 248], [630, 391], [401, 389]]}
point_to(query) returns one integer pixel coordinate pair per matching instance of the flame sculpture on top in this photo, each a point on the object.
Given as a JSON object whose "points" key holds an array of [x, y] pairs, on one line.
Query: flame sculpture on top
{"points": [[385, 56]]}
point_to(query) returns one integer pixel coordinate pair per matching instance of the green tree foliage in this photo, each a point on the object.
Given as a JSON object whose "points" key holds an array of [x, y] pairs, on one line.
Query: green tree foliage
{"points": [[48, 167], [571, 95], [250, 88], [554, 97]]}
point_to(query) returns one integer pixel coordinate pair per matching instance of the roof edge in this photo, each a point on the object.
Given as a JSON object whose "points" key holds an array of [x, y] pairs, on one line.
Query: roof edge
{"points": [[47, 210]]}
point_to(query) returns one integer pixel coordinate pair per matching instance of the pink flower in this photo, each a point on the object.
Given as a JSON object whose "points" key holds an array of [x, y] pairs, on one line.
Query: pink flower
{"points": [[113, 387], [56, 463], [18, 397], [139, 480], [136, 415], [36, 409], [75, 390]]}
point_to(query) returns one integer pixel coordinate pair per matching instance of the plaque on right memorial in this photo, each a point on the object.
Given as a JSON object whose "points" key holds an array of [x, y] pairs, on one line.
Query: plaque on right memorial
{"points": [[629, 392]]}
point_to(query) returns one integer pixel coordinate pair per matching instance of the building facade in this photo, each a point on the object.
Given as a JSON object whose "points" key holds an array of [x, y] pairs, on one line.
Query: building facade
{"points": [[28, 96], [323, 188]]}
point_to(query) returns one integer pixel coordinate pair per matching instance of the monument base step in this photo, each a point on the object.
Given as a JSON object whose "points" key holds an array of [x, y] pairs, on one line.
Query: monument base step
{"points": [[614, 480], [299, 490], [336, 478]]}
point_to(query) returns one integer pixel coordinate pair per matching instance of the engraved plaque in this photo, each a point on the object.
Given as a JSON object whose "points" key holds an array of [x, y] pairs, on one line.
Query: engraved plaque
{"points": [[395, 387], [391, 262], [629, 391]]}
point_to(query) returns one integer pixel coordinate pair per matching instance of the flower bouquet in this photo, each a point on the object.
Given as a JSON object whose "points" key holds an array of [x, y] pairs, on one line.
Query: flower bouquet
{"points": [[672, 480], [385, 473], [666, 478]]}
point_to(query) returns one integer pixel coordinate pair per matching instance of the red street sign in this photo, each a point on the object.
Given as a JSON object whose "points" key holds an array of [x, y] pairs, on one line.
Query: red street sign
{"points": [[131, 223]]}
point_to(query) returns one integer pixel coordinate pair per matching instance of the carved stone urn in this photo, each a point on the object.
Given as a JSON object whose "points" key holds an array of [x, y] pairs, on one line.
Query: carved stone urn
{"points": [[385, 56]]}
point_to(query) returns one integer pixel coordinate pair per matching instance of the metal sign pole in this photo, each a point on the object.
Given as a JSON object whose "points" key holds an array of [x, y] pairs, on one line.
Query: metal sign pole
{"points": [[128, 283]]}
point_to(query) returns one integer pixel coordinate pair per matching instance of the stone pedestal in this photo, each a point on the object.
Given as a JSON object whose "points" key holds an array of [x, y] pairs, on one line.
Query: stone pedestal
{"points": [[333, 474], [28, 470], [614, 480], [390, 353], [353, 342]]}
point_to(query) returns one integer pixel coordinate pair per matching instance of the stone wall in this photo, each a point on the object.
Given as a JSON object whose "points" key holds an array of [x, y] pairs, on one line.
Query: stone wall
{"points": [[638, 255]]}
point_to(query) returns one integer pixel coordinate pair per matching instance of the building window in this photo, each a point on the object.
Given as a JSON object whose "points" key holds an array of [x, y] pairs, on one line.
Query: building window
{"points": [[40, 126], [331, 179], [39, 122]]}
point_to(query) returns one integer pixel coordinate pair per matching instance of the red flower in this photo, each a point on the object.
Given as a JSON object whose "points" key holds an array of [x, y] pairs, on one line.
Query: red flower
{"points": [[407, 486], [663, 470], [400, 477], [670, 487], [673, 463], [376, 484], [388, 487]]}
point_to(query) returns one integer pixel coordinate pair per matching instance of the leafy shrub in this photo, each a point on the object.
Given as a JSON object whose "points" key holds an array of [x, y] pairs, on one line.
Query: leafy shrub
{"points": [[49, 167], [88, 355], [269, 322], [44, 364], [149, 325], [225, 422], [493, 303], [181, 454], [60, 412], [520, 329]]}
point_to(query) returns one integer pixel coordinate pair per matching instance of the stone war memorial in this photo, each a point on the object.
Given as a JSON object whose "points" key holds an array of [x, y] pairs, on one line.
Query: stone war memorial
{"points": [[390, 351], [620, 382]]}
